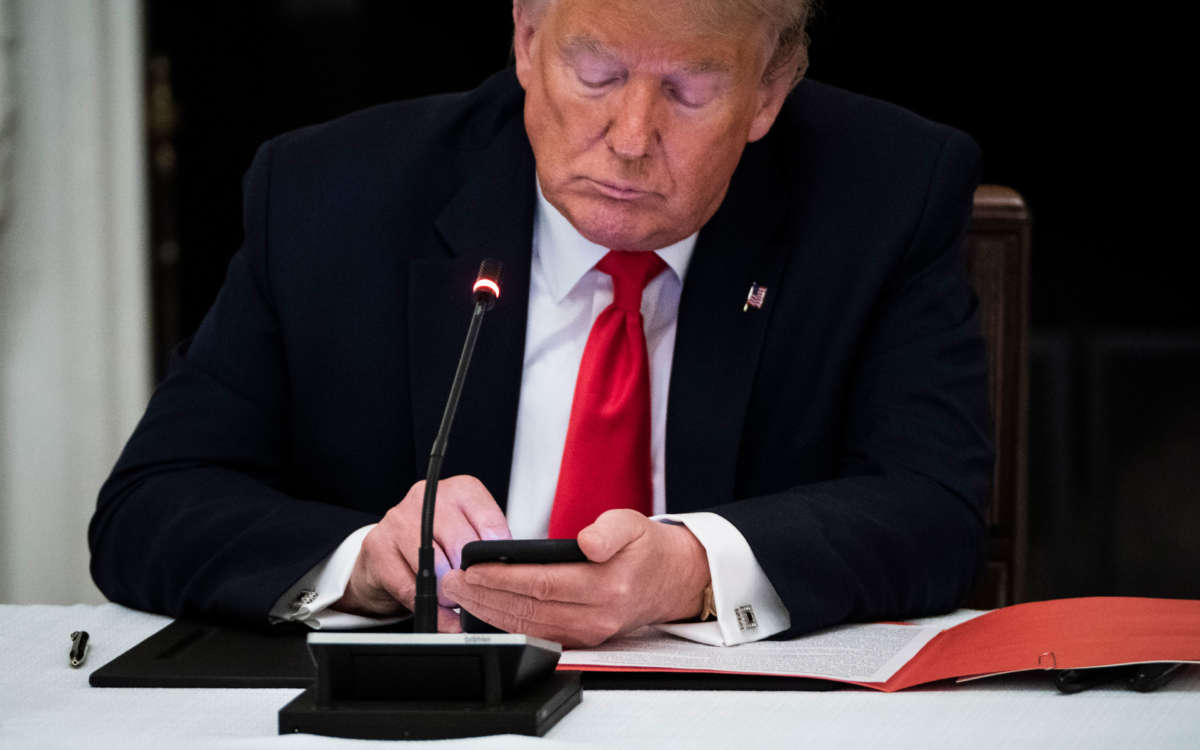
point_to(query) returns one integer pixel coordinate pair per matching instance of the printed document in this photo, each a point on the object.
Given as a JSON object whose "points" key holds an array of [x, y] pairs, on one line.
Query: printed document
{"points": [[849, 653]]}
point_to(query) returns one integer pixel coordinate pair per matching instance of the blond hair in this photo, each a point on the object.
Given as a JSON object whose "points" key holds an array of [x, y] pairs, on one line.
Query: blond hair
{"points": [[786, 22]]}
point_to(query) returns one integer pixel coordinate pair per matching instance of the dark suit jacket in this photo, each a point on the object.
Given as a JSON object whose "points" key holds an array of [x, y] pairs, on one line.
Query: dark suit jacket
{"points": [[843, 428]]}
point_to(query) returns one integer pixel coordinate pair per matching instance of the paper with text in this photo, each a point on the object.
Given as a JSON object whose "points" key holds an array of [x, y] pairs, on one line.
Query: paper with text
{"points": [[850, 653]]}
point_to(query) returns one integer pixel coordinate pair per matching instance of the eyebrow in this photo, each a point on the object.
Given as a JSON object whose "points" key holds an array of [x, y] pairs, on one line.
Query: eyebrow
{"points": [[573, 46], [576, 45]]}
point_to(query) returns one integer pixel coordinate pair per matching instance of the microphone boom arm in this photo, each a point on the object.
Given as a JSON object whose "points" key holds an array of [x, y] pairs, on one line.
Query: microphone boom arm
{"points": [[425, 604]]}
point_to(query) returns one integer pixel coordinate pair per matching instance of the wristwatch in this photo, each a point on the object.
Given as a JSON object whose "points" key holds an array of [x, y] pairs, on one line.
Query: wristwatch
{"points": [[708, 610]]}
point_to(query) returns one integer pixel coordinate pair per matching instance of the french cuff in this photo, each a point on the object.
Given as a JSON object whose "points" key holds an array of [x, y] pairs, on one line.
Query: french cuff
{"points": [[748, 608], [309, 599]]}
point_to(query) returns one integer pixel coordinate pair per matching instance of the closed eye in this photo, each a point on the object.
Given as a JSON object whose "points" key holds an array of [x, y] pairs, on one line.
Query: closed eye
{"points": [[594, 66], [597, 81], [694, 91], [680, 96]]}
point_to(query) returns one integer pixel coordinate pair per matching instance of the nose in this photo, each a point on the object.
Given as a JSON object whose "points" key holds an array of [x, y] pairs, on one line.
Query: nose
{"points": [[632, 130]]}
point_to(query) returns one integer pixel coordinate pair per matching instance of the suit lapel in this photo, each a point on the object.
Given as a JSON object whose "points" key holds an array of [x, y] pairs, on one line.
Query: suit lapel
{"points": [[717, 345], [490, 217]]}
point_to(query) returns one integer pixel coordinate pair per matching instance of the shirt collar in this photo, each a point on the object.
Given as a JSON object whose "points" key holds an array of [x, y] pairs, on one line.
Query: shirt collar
{"points": [[570, 255]]}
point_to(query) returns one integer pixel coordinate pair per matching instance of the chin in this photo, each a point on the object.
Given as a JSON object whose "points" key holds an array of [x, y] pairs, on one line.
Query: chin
{"points": [[617, 227]]}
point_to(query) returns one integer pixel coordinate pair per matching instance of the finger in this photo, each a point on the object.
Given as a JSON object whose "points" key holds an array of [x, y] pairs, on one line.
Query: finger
{"points": [[404, 533], [441, 566], [448, 621], [452, 531], [403, 522], [450, 583], [403, 526], [568, 624], [479, 508], [507, 611], [411, 556], [459, 499], [390, 575], [578, 583], [610, 533], [465, 512], [507, 622]]}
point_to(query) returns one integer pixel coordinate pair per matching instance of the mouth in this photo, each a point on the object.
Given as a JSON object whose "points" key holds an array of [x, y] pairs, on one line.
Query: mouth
{"points": [[618, 191]]}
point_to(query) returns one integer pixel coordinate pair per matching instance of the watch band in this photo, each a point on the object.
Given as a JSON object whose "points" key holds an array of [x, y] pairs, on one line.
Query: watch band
{"points": [[708, 610]]}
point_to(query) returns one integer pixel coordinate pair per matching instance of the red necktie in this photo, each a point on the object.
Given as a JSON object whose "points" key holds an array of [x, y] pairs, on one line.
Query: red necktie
{"points": [[606, 460]]}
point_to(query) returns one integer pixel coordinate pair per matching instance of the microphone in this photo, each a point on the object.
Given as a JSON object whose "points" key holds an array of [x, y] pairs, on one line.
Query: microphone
{"points": [[425, 684], [486, 290], [487, 283]]}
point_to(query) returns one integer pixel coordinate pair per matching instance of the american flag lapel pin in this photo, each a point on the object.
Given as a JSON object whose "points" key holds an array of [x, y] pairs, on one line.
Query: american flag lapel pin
{"points": [[755, 297]]}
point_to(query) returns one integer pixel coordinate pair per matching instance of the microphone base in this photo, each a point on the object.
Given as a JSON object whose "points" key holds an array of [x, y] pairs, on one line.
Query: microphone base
{"points": [[533, 712], [431, 686]]}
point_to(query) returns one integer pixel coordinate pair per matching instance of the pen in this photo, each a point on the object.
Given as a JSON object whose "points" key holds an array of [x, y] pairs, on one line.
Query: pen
{"points": [[1143, 678], [1077, 680], [78, 653], [1148, 677]]}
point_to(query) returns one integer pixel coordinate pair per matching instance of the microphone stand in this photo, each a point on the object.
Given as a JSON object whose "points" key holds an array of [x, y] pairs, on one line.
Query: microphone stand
{"points": [[425, 684], [425, 605]]}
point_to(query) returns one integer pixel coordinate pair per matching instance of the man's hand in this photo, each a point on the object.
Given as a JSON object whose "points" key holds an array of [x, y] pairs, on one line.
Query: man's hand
{"points": [[384, 578], [641, 572]]}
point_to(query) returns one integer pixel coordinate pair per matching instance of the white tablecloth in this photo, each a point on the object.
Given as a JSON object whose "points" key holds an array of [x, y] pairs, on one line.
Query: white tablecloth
{"points": [[44, 703]]}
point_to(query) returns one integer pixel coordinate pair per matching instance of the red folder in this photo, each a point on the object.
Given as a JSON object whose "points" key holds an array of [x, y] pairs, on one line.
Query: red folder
{"points": [[1054, 634], [1096, 631]]}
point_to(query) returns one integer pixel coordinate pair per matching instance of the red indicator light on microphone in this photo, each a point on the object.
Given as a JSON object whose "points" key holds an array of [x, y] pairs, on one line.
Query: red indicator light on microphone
{"points": [[485, 286], [487, 283]]}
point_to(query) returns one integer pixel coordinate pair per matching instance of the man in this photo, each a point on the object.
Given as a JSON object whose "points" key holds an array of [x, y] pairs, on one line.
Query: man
{"points": [[774, 342]]}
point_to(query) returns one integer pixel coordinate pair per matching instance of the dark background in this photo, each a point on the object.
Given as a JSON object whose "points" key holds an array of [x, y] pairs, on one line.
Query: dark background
{"points": [[1073, 109]]}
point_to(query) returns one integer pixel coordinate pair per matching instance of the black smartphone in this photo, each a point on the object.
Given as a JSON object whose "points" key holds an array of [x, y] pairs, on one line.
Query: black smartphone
{"points": [[514, 552]]}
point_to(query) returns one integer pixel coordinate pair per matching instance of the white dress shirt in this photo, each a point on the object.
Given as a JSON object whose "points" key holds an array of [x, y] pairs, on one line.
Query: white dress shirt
{"points": [[566, 295]]}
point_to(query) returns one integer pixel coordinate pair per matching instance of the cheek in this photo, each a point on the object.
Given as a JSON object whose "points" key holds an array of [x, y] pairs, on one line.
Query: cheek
{"points": [[580, 122], [701, 161], [561, 124]]}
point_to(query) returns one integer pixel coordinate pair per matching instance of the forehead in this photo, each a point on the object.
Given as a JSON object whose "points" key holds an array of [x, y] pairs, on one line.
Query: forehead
{"points": [[656, 32]]}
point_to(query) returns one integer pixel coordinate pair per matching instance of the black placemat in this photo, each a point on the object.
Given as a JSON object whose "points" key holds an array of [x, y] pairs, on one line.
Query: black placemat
{"points": [[193, 654]]}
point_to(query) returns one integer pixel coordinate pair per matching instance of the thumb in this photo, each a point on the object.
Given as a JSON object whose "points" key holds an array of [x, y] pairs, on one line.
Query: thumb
{"points": [[448, 621], [610, 533]]}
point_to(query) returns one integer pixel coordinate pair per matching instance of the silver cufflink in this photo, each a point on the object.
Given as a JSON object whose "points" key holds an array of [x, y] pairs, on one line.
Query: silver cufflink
{"points": [[304, 598], [745, 617]]}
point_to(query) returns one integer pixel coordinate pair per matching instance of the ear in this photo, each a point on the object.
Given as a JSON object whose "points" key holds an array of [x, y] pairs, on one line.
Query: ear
{"points": [[523, 29], [771, 96]]}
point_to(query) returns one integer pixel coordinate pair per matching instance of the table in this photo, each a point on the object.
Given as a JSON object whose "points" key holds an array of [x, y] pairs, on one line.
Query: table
{"points": [[44, 703]]}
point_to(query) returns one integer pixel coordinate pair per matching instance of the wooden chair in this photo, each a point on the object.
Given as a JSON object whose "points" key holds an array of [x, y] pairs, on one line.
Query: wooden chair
{"points": [[998, 247]]}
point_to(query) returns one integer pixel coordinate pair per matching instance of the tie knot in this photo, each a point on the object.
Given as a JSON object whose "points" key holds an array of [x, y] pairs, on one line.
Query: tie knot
{"points": [[630, 272]]}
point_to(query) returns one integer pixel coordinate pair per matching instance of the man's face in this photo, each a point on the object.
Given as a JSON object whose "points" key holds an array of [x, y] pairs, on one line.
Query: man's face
{"points": [[638, 114]]}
